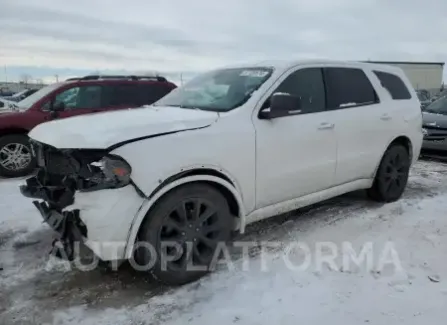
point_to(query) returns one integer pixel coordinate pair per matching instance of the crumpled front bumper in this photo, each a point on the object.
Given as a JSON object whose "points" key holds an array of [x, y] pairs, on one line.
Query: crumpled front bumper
{"points": [[68, 225], [99, 219]]}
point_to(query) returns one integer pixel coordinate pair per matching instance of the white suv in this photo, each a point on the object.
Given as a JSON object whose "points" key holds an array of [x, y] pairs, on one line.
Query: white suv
{"points": [[231, 147]]}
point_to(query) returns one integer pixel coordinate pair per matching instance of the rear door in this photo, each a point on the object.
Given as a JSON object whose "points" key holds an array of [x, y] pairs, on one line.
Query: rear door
{"points": [[151, 92], [118, 96], [131, 95], [362, 123]]}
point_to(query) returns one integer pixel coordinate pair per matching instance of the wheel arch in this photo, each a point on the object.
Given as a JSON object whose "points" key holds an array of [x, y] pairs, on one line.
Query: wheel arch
{"points": [[202, 175], [402, 140], [13, 131]]}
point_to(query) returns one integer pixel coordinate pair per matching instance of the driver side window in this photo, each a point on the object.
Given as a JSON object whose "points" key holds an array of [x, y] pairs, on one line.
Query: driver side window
{"points": [[79, 97], [307, 84]]}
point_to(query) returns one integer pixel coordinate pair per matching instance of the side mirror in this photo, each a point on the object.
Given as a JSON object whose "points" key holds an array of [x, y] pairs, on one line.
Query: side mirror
{"points": [[281, 104], [58, 107]]}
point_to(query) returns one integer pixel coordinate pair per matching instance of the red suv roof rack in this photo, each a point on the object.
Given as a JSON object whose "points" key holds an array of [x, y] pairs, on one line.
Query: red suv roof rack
{"points": [[127, 77]]}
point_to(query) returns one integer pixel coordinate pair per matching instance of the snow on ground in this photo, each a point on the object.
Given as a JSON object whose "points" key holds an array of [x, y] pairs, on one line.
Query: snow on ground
{"points": [[406, 281]]}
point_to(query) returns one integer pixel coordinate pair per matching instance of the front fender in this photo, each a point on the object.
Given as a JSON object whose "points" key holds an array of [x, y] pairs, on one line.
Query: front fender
{"points": [[155, 161], [141, 214]]}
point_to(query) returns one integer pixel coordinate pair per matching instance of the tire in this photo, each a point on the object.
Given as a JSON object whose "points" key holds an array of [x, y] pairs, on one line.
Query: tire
{"points": [[392, 175], [22, 165], [174, 220]]}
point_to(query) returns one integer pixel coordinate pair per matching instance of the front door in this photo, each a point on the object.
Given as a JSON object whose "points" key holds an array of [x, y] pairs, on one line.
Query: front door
{"points": [[296, 154], [79, 100]]}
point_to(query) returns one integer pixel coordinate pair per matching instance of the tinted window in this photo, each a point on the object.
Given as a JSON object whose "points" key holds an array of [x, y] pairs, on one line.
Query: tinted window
{"points": [[439, 106], [347, 87], [394, 85], [308, 85], [120, 95], [150, 93], [80, 97]]}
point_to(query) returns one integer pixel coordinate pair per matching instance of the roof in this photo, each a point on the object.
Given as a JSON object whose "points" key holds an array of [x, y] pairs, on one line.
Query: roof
{"points": [[406, 62], [283, 65]]}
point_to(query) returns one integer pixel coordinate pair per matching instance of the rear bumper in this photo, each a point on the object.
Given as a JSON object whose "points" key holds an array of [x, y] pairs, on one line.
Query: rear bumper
{"points": [[100, 219], [434, 145], [434, 149]]}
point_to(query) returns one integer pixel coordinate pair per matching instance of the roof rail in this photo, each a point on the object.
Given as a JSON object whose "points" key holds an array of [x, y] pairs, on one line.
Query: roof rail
{"points": [[128, 77]]}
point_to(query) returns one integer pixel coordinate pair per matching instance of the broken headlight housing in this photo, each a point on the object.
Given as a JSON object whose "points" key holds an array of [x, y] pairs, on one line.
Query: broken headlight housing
{"points": [[110, 171]]}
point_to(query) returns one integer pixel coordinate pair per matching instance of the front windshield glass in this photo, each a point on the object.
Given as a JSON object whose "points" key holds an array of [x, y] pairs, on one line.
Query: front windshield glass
{"points": [[438, 106], [219, 90], [31, 99]]}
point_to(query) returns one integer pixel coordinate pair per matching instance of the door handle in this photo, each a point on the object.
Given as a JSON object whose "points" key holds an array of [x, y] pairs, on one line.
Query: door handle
{"points": [[385, 117], [326, 126]]}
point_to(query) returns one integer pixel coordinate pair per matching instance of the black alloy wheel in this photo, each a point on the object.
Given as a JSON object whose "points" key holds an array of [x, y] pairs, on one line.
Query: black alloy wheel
{"points": [[392, 175], [185, 228]]}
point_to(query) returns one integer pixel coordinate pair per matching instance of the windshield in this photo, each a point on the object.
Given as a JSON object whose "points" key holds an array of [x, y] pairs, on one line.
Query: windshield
{"points": [[438, 106], [219, 90], [31, 99]]}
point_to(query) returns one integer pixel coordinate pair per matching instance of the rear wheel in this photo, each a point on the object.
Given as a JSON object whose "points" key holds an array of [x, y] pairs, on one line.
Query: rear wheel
{"points": [[184, 228], [16, 159], [392, 175]]}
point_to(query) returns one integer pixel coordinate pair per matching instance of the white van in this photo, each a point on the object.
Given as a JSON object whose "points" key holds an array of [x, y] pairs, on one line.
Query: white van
{"points": [[230, 147]]}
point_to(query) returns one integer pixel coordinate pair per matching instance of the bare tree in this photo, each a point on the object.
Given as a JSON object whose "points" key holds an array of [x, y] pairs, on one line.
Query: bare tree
{"points": [[25, 78]]}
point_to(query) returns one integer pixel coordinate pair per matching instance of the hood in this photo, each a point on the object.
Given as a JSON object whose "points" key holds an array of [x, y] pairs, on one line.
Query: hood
{"points": [[104, 130], [8, 106], [434, 121]]}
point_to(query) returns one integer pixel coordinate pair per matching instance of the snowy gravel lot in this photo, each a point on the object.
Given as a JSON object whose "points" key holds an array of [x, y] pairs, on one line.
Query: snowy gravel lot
{"points": [[263, 289]]}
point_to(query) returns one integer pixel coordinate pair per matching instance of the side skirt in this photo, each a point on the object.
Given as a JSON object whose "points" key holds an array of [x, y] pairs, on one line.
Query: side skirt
{"points": [[290, 205]]}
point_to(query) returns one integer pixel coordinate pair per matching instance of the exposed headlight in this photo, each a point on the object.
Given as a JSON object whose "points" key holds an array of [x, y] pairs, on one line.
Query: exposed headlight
{"points": [[112, 172]]}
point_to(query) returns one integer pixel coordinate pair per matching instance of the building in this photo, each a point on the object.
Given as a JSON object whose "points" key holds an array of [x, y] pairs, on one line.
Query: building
{"points": [[423, 75]]}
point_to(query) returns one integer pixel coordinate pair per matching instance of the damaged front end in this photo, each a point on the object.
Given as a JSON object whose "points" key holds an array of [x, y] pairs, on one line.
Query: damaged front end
{"points": [[62, 173]]}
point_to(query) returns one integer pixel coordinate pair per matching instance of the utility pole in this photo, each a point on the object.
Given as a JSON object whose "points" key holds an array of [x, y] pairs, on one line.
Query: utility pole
{"points": [[57, 77], [6, 75], [181, 79]]}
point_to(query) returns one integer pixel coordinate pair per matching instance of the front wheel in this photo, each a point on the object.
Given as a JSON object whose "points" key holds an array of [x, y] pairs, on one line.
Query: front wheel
{"points": [[16, 159], [392, 175], [181, 234]]}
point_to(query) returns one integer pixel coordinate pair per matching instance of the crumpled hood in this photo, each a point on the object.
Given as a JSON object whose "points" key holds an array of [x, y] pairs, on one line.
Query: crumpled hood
{"points": [[103, 130]]}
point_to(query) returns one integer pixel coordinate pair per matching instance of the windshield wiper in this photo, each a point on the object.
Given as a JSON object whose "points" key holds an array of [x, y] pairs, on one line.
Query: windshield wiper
{"points": [[183, 106]]}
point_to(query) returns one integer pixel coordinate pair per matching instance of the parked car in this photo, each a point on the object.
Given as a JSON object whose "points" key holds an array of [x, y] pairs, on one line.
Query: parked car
{"points": [[17, 97], [6, 105], [435, 129], [89, 94], [424, 98], [231, 147], [4, 91]]}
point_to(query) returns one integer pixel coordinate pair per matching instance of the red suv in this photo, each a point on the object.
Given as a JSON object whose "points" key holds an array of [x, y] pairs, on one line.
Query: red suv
{"points": [[75, 96]]}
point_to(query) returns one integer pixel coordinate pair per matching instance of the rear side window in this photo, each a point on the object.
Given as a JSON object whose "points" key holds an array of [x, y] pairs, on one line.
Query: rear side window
{"points": [[150, 93], [394, 85], [348, 87], [120, 95]]}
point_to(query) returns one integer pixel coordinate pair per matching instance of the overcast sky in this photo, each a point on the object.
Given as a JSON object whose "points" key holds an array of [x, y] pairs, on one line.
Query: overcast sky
{"points": [[47, 37]]}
